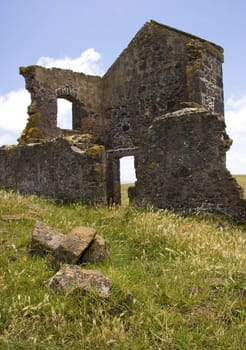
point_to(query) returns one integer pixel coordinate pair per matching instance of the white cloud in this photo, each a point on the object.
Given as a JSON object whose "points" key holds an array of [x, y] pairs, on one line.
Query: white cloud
{"points": [[13, 115], [87, 62], [127, 170], [235, 117], [13, 105], [64, 114], [10, 104]]}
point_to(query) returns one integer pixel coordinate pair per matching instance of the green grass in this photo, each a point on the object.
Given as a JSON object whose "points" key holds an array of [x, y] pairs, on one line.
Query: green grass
{"points": [[124, 194], [178, 283], [242, 182]]}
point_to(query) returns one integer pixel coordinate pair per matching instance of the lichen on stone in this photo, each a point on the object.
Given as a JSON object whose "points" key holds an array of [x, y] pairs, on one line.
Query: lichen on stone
{"points": [[152, 165], [23, 70], [32, 131], [95, 151], [99, 168]]}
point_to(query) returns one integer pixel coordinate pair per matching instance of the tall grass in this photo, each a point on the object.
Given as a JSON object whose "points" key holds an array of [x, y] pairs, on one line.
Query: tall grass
{"points": [[178, 283]]}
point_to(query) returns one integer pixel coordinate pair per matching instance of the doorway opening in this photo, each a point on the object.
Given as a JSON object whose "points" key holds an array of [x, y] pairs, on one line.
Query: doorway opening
{"points": [[64, 114], [127, 177]]}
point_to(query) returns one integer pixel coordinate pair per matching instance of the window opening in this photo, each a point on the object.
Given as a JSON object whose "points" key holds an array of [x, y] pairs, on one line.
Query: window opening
{"points": [[127, 170], [64, 114]]}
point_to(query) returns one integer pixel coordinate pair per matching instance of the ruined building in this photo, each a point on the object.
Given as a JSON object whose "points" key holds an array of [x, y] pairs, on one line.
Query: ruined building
{"points": [[161, 102]]}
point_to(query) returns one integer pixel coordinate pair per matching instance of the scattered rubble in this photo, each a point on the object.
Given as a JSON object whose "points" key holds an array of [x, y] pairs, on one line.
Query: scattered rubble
{"points": [[81, 245], [72, 277]]}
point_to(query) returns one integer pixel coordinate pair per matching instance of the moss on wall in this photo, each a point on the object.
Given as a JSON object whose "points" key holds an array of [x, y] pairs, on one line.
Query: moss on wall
{"points": [[32, 132], [152, 165], [95, 151], [99, 168], [23, 70]]}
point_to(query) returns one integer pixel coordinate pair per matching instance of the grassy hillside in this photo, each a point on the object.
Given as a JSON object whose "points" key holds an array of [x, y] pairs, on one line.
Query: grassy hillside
{"points": [[178, 283]]}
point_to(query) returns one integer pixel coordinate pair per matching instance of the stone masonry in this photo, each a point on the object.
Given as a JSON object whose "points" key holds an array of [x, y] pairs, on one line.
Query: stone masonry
{"points": [[184, 161], [161, 102], [67, 168]]}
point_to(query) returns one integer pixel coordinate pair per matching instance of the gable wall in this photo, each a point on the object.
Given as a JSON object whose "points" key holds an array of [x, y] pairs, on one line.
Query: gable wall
{"points": [[162, 70]]}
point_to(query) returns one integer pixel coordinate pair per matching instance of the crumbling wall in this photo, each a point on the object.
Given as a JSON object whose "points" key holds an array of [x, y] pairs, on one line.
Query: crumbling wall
{"points": [[182, 165], [45, 86], [67, 168], [161, 101]]}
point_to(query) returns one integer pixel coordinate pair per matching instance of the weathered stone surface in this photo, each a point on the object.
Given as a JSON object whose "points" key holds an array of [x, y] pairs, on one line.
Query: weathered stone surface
{"points": [[73, 245], [184, 165], [44, 239], [68, 168], [97, 251], [81, 245], [72, 277]]}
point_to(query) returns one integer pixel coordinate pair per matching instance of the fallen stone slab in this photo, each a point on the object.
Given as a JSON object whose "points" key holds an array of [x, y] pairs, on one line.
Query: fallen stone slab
{"points": [[44, 239], [97, 251], [72, 277], [74, 245]]}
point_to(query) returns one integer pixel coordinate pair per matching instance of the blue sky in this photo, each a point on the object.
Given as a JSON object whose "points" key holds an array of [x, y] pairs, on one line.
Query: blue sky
{"points": [[90, 34]]}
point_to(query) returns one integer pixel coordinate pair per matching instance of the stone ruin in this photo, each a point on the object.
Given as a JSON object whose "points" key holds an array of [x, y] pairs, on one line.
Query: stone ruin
{"points": [[161, 102]]}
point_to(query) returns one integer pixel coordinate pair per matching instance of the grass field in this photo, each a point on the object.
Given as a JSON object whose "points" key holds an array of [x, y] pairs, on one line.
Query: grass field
{"points": [[178, 283], [242, 182]]}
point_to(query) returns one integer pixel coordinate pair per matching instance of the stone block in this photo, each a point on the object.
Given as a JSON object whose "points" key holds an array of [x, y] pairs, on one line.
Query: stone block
{"points": [[44, 239], [98, 251], [73, 245], [72, 277]]}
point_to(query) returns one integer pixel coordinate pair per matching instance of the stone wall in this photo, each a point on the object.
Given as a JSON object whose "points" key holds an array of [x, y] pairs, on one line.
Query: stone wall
{"points": [[204, 75], [182, 165], [67, 168]]}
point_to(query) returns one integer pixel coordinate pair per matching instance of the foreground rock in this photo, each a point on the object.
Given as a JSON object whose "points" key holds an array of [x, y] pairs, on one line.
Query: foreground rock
{"points": [[74, 245], [81, 245], [98, 250], [44, 239], [72, 277]]}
